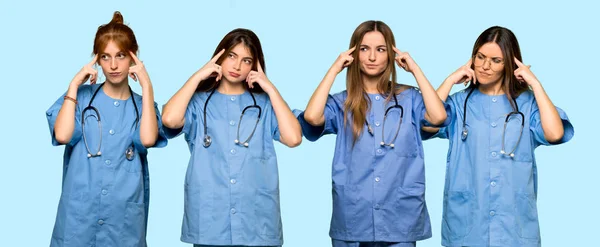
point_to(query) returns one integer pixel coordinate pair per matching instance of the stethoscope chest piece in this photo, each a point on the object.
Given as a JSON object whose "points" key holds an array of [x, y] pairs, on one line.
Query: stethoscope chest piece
{"points": [[207, 141], [129, 153], [465, 133]]}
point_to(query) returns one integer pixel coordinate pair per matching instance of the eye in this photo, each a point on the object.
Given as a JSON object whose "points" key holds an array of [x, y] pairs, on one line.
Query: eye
{"points": [[479, 56], [381, 49], [247, 61], [104, 57], [363, 48], [497, 60], [231, 55], [121, 55]]}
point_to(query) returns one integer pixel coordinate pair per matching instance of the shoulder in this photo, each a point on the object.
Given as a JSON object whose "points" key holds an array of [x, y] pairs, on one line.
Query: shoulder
{"points": [[340, 96]]}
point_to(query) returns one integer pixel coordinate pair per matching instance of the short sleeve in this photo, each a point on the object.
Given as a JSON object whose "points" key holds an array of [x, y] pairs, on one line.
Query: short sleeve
{"points": [[191, 119], [52, 114], [333, 113], [535, 126], [419, 111], [161, 140], [444, 129]]}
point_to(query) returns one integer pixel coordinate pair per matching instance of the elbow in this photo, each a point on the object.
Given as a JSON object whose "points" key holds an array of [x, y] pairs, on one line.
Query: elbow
{"points": [[62, 139], [312, 119], [149, 143], [171, 122], [554, 137], [293, 141], [439, 119]]}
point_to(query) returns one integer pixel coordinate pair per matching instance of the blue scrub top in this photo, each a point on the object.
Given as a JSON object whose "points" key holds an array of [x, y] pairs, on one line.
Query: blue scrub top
{"points": [[104, 200], [231, 191], [490, 198], [378, 192]]}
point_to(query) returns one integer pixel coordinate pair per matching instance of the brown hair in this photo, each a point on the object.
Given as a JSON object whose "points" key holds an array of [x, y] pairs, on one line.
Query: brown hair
{"points": [[357, 103], [117, 32], [231, 39], [509, 45]]}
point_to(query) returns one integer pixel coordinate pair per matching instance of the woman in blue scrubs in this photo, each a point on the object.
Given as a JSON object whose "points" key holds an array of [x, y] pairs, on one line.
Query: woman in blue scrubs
{"points": [[230, 113], [378, 170], [495, 125], [107, 129]]}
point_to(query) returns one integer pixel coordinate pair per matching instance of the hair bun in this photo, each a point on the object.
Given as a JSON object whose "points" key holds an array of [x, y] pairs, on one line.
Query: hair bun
{"points": [[117, 18]]}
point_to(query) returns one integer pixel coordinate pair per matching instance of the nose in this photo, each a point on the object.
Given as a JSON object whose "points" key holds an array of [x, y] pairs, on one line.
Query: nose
{"points": [[237, 65], [487, 64], [113, 64], [372, 56]]}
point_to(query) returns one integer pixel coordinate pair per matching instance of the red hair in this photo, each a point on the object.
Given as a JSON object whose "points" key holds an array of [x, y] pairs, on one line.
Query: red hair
{"points": [[117, 32]]}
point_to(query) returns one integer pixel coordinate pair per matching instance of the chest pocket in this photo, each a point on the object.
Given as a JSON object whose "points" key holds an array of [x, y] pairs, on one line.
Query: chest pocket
{"points": [[405, 144]]}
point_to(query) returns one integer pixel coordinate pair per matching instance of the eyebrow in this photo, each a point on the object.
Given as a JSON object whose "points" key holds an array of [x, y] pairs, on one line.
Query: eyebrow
{"points": [[479, 53], [379, 46], [238, 55]]}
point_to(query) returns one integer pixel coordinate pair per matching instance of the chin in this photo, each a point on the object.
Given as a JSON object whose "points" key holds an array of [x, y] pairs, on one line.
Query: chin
{"points": [[116, 81]]}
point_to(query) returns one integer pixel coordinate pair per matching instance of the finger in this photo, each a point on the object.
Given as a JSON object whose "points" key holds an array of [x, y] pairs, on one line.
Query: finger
{"points": [[135, 58], [260, 68], [94, 60], [396, 50], [132, 75], [349, 51], [216, 57], [518, 63], [348, 61], [469, 63]]}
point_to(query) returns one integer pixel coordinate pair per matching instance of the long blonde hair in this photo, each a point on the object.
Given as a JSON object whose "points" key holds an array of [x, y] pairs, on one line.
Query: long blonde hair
{"points": [[357, 102]]}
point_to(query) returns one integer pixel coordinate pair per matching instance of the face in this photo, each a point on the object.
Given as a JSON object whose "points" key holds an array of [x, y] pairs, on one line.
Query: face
{"points": [[115, 63], [372, 54], [237, 64], [489, 64]]}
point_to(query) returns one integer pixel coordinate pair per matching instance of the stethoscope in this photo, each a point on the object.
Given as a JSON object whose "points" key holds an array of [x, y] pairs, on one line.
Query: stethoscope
{"points": [[208, 139], [129, 153], [370, 129], [465, 132]]}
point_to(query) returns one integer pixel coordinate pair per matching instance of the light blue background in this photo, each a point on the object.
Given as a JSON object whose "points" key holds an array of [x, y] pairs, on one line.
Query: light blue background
{"points": [[44, 43]]}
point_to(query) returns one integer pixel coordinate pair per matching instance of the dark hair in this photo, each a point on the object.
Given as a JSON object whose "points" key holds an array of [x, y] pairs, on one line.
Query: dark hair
{"points": [[509, 45], [233, 38], [117, 32]]}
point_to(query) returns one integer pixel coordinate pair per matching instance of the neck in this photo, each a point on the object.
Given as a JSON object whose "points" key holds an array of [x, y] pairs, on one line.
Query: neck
{"points": [[117, 90], [370, 84], [492, 89], [227, 87]]}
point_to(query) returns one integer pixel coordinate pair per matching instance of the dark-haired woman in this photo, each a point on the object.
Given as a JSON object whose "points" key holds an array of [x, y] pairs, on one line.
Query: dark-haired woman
{"points": [[230, 113], [495, 125]]}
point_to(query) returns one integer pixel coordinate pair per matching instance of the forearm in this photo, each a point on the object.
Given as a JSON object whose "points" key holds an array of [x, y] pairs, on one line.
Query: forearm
{"points": [[551, 121], [289, 128], [173, 115], [435, 113], [149, 124], [315, 110], [65, 121]]}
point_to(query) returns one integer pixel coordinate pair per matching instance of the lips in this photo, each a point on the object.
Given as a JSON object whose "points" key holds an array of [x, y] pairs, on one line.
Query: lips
{"points": [[483, 73], [371, 66], [232, 74], [114, 74]]}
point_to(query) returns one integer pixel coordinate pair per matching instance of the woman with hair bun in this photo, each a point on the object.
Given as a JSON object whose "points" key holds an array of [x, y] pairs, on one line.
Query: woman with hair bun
{"points": [[106, 129]]}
